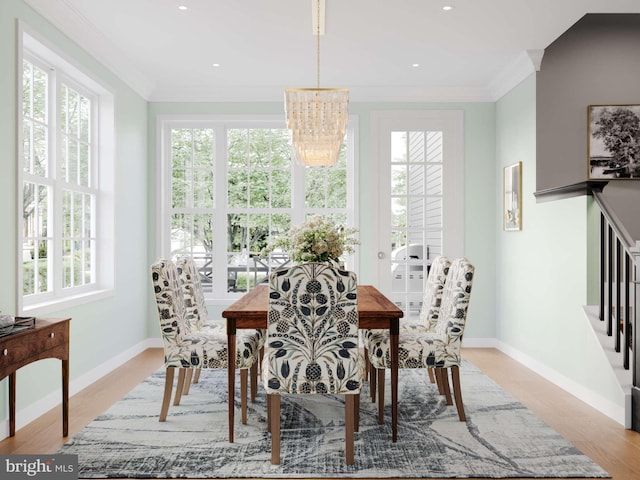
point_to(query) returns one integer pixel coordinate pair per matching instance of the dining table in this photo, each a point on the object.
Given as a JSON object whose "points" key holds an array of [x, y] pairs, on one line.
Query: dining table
{"points": [[375, 311]]}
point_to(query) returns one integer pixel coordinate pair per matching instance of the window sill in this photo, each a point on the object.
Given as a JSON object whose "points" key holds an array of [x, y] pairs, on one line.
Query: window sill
{"points": [[51, 306]]}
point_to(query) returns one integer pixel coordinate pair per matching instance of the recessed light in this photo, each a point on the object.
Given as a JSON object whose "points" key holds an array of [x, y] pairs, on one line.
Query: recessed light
{"points": [[183, 8], [415, 65], [447, 8], [215, 65]]}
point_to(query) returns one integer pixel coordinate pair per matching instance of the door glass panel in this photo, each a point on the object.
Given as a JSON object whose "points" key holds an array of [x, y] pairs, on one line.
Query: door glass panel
{"points": [[416, 213]]}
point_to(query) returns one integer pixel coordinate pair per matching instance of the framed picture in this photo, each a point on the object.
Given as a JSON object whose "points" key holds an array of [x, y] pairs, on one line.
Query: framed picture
{"points": [[614, 141], [512, 195]]}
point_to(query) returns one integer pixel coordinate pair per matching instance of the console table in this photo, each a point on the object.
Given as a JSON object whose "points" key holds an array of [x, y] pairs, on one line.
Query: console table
{"points": [[48, 339]]}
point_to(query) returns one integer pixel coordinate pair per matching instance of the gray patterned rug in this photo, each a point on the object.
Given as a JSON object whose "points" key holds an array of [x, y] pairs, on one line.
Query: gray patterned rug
{"points": [[501, 438]]}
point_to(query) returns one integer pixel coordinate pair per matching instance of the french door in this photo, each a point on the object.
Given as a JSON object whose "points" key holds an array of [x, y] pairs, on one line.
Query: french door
{"points": [[421, 201]]}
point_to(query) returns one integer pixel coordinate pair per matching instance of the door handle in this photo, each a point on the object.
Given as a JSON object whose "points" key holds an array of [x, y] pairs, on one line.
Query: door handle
{"points": [[381, 255]]}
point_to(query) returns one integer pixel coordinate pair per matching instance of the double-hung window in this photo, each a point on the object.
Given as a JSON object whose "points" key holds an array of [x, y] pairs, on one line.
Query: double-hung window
{"points": [[228, 186], [64, 180]]}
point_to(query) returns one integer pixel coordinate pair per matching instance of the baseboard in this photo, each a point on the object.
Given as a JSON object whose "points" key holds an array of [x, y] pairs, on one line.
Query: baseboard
{"points": [[603, 405], [29, 413], [479, 343]]}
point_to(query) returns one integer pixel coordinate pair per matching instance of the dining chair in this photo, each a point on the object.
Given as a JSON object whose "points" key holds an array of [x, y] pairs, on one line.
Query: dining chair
{"points": [[438, 349], [185, 348], [426, 321], [198, 321], [312, 343]]}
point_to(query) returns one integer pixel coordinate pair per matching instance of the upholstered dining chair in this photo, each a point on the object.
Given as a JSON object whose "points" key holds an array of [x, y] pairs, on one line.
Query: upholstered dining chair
{"points": [[438, 349], [426, 321], [312, 343], [186, 349], [198, 320]]}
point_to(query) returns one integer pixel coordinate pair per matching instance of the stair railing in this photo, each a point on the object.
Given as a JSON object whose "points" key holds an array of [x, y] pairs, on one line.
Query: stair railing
{"points": [[619, 289]]}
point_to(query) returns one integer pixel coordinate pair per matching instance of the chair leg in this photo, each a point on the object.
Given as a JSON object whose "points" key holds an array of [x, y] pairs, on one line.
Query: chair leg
{"points": [[260, 358], [188, 376], [438, 377], [367, 364], [444, 380], [457, 393], [196, 375], [275, 429], [380, 372], [168, 386], [244, 380], [357, 420], [432, 377], [254, 381], [181, 375], [372, 381], [269, 413], [349, 423]]}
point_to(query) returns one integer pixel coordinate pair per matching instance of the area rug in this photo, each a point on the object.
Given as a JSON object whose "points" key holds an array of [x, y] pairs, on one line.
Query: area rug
{"points": [[501, 438]]}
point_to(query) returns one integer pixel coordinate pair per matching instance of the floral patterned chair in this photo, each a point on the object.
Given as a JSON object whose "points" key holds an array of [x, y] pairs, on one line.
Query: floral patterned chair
{"points": [[185, 348], [197, 318], [312, 343], [438, 349], [426, 322]]}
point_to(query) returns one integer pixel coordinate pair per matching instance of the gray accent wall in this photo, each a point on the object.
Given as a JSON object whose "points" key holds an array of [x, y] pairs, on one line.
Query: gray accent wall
{"points": [[596, 62]]}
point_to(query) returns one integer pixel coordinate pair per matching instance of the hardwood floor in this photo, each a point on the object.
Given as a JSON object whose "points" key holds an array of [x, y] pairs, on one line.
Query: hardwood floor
{"points": [[615, 449]]}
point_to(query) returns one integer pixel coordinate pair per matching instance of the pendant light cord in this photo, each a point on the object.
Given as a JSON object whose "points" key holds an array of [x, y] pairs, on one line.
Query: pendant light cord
{"points": [[318, 34]]}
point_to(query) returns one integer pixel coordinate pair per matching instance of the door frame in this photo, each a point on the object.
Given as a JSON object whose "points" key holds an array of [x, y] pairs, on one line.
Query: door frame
{"points": [[451, 123]]}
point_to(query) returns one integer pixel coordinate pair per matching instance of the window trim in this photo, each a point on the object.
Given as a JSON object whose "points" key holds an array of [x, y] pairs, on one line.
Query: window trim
{"points": [[164, 122], [32, 45]]}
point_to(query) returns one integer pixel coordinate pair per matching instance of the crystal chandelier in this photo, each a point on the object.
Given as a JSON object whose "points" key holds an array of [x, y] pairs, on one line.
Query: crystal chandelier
{"points": [[317, 118]]}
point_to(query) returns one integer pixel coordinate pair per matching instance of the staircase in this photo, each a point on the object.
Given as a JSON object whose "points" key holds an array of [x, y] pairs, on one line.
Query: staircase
{"points": [[615, 319], [615, 360]]}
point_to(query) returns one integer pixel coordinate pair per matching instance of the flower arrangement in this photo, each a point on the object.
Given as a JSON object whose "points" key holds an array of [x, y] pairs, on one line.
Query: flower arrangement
{"points": [[316, 240]]}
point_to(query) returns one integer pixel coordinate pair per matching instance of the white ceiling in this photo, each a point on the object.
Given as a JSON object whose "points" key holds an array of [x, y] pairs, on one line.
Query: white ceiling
{"points": [[475, 52]]}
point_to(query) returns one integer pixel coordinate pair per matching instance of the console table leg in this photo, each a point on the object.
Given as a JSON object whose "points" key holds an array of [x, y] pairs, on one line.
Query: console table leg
{"points": [[12, 404], [65, 398]]}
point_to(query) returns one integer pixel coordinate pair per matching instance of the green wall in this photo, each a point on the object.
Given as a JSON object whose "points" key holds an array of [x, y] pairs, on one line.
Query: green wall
{"points": [[99, 330], [542, 271]]}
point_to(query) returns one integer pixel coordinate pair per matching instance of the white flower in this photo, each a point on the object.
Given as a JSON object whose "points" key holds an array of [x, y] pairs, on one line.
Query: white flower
{"points": [[316, 240]]}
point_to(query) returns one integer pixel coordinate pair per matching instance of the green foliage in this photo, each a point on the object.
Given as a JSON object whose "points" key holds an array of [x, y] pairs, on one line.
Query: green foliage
{"points": [[259, 177]]}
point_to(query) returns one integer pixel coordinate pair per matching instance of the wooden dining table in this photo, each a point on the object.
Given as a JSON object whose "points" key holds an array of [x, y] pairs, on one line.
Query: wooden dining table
{"points": [[375, 311]]}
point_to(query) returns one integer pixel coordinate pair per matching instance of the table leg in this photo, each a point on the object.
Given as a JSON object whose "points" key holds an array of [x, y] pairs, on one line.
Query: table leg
{"points": [[395, 333], [231, 370], [65, 398], [12, 404]]}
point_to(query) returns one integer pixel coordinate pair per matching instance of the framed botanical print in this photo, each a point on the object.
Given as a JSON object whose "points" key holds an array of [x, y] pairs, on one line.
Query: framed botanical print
{"points": [[512, 197], [614, 142]]}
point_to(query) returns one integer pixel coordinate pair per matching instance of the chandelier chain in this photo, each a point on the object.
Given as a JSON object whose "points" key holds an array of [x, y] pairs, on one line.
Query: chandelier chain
{"points": [[318, 35]]}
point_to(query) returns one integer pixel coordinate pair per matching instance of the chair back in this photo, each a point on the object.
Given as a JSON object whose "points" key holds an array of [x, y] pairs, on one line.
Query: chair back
{"points": [[312, 333], [195, 307], [432, 298], [455, 303], [170, 303]]}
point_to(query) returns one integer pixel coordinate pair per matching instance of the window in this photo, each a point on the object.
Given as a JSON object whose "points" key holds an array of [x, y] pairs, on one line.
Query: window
{"points": [[229, 187], [64, 177]]}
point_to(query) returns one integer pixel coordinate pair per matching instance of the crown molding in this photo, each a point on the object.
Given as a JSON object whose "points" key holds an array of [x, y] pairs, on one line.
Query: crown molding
{"points": [[525, 64], [79, 29]]}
